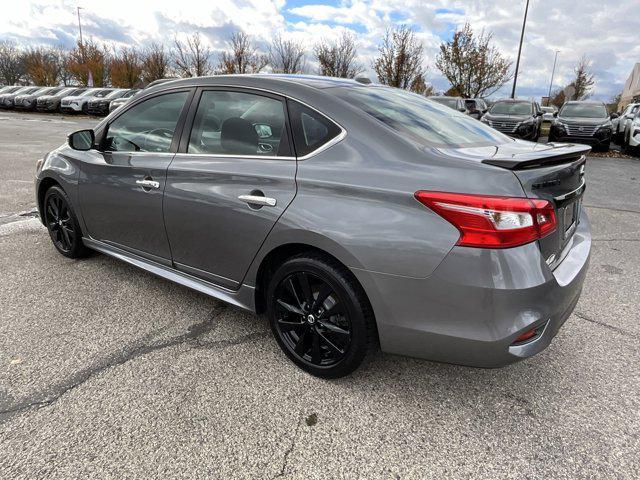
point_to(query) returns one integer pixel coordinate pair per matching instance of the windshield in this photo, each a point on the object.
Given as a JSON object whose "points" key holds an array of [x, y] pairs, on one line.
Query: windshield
{"points": [[583, 110], [449, 102], [114, 94], [130, 93], [547, 109], [511, 108], [420, 119], [89, 93]]}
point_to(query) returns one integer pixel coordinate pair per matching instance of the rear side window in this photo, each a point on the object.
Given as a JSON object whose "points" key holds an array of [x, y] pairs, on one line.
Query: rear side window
{"points": [[147, 127], [239, 124], [311, 130]]}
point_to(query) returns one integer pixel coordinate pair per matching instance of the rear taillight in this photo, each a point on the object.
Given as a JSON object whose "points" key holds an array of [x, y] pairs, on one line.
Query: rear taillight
{"points": [[490, 221]]}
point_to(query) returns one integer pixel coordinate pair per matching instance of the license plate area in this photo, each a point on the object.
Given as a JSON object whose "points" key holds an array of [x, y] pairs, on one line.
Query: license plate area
{"points": [[570, 214]]}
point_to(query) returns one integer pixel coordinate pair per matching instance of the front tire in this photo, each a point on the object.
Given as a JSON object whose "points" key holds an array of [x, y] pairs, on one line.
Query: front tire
{"points": [[320, 315], [62, 223]]}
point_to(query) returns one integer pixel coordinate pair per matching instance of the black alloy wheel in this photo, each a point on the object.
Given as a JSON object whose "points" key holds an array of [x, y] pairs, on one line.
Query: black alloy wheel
{"points": [[62, 223], [320, 316]]}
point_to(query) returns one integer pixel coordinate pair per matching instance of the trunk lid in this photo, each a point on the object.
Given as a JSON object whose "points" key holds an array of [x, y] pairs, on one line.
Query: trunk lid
{"points": [[553, 172]]}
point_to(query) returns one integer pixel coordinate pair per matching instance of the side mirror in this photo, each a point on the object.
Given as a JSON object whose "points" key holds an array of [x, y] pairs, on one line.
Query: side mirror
{"points": [[539, 114], [462, 109], [613, 115], [555, 114], [81, 140]]}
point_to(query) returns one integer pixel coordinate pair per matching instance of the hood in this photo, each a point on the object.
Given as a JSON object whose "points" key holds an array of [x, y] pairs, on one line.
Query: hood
{"points": [[583, 120], [520, 154]]}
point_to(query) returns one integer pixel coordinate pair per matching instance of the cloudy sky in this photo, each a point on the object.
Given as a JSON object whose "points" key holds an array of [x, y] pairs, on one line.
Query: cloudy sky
{"points": [[605, 31]]}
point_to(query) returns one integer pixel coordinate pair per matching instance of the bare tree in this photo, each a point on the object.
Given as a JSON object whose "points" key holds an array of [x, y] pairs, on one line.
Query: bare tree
{"points": [[418, 85], [155, 63], [192, 57], [42, 65], [583, 82], [286, 56], [125, 68], [338, 59], [399, 60], [558, 97], [243, 56], [473, 66], [87, 60], [11, 63]]}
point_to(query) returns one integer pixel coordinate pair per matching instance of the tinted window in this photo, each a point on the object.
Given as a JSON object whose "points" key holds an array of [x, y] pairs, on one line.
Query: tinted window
{"points": [[148, 126], [511, 108], [423, 121], [238, 123], [583, 110], [311, 130]]}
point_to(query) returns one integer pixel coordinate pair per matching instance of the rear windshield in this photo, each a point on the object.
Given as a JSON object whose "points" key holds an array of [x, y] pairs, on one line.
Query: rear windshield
{"points": [[547, 109], [509, 108], [583, 110], [416, 117], [449, 102]]}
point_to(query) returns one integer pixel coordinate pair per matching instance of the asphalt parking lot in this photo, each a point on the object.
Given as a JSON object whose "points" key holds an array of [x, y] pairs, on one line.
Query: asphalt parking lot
{"points": [[109, 372]]}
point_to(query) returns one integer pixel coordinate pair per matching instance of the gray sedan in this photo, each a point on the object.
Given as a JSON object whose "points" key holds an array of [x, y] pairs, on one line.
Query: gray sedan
{"points": [[355, 216]]}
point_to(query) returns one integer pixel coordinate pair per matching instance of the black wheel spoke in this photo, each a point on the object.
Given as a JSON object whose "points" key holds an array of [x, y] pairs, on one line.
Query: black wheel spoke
{"points": [[333, 328], [303, 279], [290, 308], [66, 237], [325, 341], [286, 326], [292, 289], [300, 347], [315, 348]]}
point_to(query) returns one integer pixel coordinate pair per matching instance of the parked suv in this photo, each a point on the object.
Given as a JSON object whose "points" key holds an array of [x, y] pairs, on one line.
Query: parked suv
{"points": [[118, 102], [337, 209], [583, 122], [51, 102], [80, 102], [457, 103], [620, 126], [100, 106], [516, 118], [6, 99], [28, 101]]}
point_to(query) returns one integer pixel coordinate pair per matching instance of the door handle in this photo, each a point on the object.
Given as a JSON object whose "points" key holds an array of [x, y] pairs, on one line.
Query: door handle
{"points": [[147, 183], [258, 200]]}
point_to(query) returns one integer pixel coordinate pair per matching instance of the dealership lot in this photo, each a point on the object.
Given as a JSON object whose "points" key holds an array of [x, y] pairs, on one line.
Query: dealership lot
{"points": [[107, 371]]}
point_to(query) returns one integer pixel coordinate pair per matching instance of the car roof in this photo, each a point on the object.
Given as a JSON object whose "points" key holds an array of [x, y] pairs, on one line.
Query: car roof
{"points": [[512, 100], [584, 102]]}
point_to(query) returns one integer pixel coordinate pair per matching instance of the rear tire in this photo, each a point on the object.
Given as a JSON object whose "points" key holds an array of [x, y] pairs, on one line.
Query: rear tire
{"points": [[320, 315], [62, 223]]}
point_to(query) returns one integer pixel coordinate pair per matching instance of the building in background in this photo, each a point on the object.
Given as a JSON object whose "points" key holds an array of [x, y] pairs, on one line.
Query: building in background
{"points": [[631, 91]]}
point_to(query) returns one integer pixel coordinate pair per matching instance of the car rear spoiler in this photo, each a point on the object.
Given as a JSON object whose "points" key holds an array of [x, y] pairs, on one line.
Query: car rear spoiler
{"points": [[557, 154]]}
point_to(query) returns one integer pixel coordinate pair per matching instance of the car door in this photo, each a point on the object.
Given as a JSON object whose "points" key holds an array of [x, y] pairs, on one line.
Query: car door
{"points": [[121, 186], [233, 177]]}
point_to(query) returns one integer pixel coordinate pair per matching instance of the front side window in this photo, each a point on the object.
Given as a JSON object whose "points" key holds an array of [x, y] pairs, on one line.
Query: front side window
{"points": [[146, 127], [238, 123], [414, 116]]}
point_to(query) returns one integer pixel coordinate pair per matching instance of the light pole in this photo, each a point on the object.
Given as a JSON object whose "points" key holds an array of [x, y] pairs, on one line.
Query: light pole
{"points": [[515, 76], [555, 59], [79, 24]]}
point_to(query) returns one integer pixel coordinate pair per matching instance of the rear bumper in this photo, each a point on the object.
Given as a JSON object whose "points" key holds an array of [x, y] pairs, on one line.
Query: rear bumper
{"points": [[477, 302]]}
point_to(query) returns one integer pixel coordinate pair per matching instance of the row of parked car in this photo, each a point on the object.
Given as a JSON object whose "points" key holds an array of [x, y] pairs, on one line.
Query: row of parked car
{"points": [[586, 122], [93, 101]]}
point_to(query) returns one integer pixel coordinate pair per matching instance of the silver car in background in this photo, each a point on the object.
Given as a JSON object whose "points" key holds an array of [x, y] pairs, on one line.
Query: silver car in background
{"points": [[355, 216]]}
